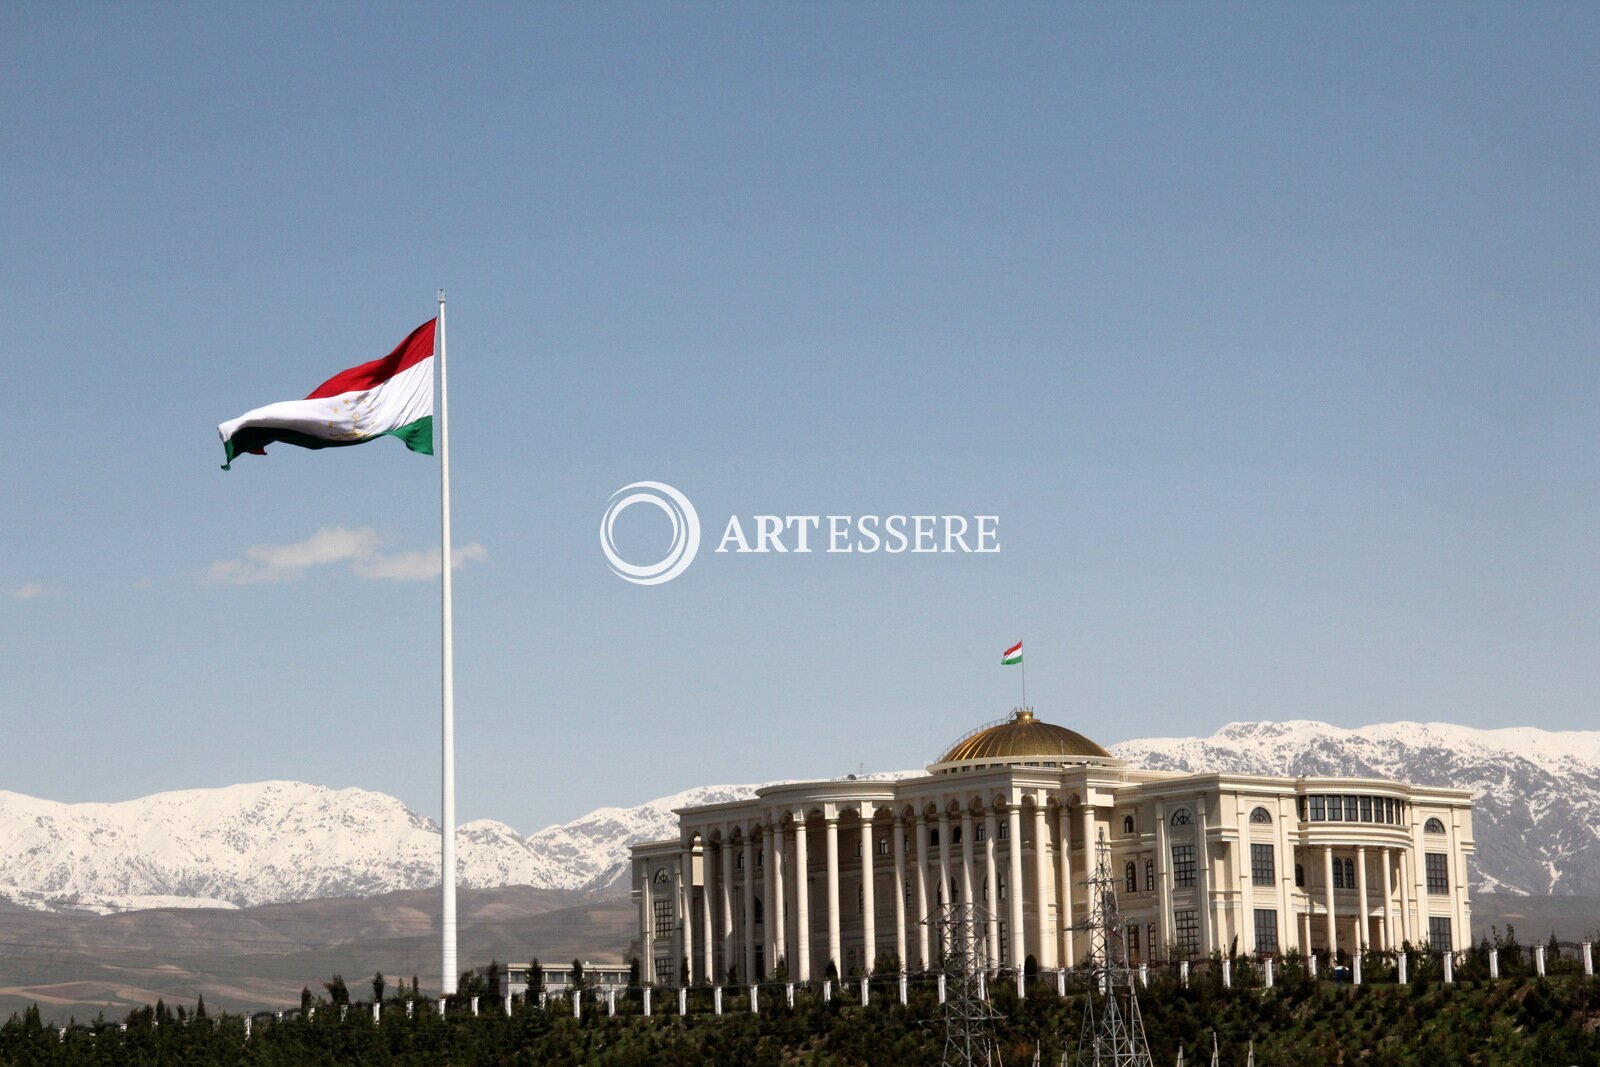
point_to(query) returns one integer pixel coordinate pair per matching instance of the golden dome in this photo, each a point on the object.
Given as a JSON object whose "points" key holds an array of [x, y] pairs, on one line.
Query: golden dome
{"points": [[1023, 736]]}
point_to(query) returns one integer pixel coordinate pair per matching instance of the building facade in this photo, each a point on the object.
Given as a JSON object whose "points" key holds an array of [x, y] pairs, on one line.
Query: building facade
{"points": [[843, 871]]}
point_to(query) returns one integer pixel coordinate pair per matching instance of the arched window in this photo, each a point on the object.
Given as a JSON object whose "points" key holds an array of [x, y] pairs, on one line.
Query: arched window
{"points": [[883, 846], [1149, 876], [980, 833], [738, 861], [1000, 885], [1127, 824], [760, 912], [933, 838], [1433, 826], [1181, 817], [1261, 815], [1002, 832], [1132, 875]]}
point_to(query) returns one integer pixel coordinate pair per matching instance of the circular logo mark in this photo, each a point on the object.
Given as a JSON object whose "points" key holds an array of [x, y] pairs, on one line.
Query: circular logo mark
{"points": [[685, 532]]}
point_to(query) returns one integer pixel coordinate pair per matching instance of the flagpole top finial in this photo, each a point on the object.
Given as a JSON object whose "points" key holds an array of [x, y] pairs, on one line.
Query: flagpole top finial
{"points": [[441, 296]]}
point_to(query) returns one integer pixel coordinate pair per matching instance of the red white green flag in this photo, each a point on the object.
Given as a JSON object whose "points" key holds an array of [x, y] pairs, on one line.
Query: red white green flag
{"points": [[389, 397], [1012, 655]]}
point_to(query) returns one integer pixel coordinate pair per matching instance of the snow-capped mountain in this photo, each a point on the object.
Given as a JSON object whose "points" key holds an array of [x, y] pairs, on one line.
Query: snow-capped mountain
{"points": [[1536, 793], [1537, 820], [279, 841]]}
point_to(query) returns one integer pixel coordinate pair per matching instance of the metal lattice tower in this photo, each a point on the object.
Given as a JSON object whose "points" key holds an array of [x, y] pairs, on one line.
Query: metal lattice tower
{"points": [[1110, 1037], [968, 1018]]}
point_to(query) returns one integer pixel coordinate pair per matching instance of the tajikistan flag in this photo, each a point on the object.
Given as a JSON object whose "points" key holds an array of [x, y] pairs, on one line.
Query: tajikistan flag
{"points": [[1011, 655], [392, 396]]}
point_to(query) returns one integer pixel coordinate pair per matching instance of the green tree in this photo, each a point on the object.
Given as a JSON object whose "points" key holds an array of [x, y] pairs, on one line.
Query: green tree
{"points": [[337, 993]]}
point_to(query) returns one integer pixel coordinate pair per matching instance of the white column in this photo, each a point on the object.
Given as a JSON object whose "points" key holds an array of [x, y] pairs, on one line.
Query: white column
{"points": [[777, 910], [750, 974], [992, 905], [686, 917], [1091, 855], [1163, 879], [1014, 851], [708, 949], [943, 895], [869, 896], [1042, 894], [830, 824], [1064, 863], [646, 929], [802, 902], [967, 896], [725, 906], [1362, 907], [1333, 928], [897, 842], [921, 829], [1202, 849], [1407, 933]]}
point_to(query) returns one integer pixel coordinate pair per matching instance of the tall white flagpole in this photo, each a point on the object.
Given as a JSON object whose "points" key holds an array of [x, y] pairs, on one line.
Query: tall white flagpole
{"points": [[447, 843]]}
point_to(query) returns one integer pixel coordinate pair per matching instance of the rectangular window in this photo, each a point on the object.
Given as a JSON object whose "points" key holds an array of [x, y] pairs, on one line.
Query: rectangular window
{"points": [[1149, 876], [1134, 956], [761, 857], [1182, 865], [1186, 933], [1438, 872], [1316, 809], [1366, 809], [1266, 930], [663, 910], [1352, 810], [1150, 940], [1005, 945], [955, 835], [1335, 809], [1300, 805], [1262, 869], [1439, 933]]}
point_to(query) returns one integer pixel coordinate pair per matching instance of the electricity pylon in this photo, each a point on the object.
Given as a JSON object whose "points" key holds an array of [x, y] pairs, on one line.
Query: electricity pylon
{"points": [[1111, 1036], [968, 1018]]}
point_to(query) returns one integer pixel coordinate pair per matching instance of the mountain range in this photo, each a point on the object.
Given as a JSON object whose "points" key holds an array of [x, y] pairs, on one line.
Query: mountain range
{"points": [[1536, 817]]}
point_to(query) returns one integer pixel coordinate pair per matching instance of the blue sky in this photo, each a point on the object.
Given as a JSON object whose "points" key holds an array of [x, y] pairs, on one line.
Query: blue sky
{"points": [[1267, 330]]}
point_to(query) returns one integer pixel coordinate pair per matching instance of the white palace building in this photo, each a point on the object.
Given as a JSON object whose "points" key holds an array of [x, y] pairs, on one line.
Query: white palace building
{"points": [[845, 870]]}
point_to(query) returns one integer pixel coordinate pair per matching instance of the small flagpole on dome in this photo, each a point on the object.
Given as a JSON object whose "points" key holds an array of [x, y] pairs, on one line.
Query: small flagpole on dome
{"points": [[1022, 661]]}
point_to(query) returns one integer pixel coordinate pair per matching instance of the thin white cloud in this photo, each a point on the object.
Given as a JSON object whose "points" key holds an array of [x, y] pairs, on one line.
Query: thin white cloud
{"points": [[360, 550], [33, 590]]}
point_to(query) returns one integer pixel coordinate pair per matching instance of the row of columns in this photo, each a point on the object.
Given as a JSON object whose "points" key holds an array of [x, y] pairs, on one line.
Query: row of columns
{"points": [[707, 927]]}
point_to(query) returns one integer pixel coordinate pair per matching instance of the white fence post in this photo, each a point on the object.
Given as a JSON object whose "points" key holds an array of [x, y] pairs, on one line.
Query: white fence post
{"points": [[1538, 959], [1183, 973], [1355, 967], [247, 1028], [983, 986], [1402, 962], [611, 1001], [866, 991], [377, 1012], [1588, 960], [577, 1003], [941, 989], [442, 1004], [1061, 981], [683, 1001], [1022, 984], [1144, 975], [1266, 972], [1449, 967], [903, 989], [716, 1000], [647, 1002], [827, 990], [755, 1001], [788, 992], [474, 1005], [1227, 974], [1494, 963]]}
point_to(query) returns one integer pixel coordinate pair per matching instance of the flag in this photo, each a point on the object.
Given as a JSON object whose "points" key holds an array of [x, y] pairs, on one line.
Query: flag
{"points": [[392, 396], [1011, 655]]}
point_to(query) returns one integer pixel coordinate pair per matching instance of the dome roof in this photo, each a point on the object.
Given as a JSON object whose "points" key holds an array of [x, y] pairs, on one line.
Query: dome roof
{"points": [[1022, 736]]}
